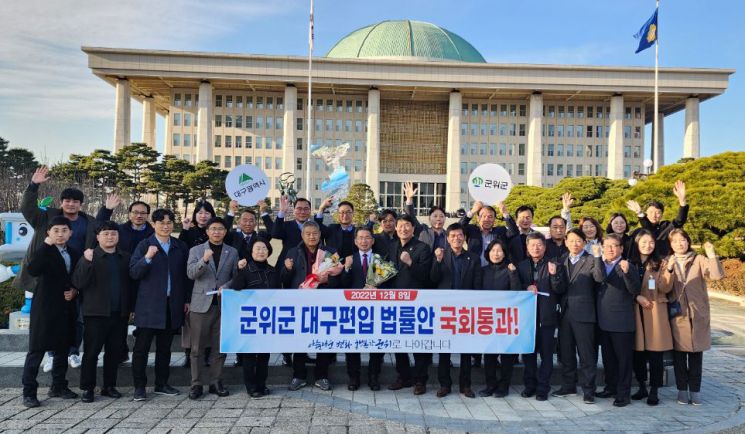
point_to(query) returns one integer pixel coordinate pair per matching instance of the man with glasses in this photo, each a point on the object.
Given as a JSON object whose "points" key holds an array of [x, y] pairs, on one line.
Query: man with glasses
{"points": [[615, 309], [210, 266], [159, 263], [479, 236], [339, 235]]}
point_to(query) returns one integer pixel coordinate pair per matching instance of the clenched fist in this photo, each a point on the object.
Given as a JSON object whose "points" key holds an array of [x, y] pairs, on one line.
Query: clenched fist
{"points": [[242, 264], [406, 258], [207, 255], [624, 266], [289, 263], [151, 252], [439, 254], [88, 255], [596, 250], [511, 267], [551, 268]]}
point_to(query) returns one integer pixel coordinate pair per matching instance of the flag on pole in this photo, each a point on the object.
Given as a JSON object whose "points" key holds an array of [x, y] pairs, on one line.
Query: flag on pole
{"points": [[311, 35], [647, 35]]}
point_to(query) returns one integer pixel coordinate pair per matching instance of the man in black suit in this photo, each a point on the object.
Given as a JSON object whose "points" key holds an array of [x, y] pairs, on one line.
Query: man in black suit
{"points": [[615, 306], [556, 247], [387, 237], [479, 236], [355, 277], [243, 238], [413, 260], [547, 280], [651, 219], [518, 243], [290, 231], [455, 268], [578, 319], [340, 235]]}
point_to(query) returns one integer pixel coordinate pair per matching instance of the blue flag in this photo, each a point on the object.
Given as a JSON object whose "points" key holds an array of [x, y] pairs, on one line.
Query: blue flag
{"points": [[647, 35]]}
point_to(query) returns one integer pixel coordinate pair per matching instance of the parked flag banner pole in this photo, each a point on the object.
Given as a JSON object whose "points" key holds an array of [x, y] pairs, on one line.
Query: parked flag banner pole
{"points": [[655, 124], [309, 125]]}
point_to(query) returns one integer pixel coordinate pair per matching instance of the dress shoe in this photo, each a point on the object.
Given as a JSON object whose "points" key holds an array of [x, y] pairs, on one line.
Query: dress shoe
{"points": [[489, 391], [400, 384], [640, 394], [653, 399], [218, 389], [527, 393], [541, 397], [589, 398], [111, 392], [30, 402], [441, 392], [196, 392], [560, 393], [257, 394], [467, 392], [605, 394], [87, 396], [420, 389], [374, 383], [501, 393], [166, 390], [621, 402], [352, 387], [62, 392]]}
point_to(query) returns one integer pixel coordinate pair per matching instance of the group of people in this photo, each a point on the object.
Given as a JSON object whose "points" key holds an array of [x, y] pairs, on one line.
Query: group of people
{"points": [[633, 293]]}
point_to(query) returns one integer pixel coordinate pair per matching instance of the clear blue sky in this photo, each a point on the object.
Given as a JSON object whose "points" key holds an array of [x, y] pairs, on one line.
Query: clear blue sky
{"points": [[51, 104]]}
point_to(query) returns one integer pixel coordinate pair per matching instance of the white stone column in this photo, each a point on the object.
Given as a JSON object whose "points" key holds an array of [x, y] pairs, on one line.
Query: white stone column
{"points": [[453, 176], [167, 140], [659, 148], [534, 163], [692, 137], [615, 138], [289, 134], [148, 121], [372, 156], [123, 115], [204, 130]]}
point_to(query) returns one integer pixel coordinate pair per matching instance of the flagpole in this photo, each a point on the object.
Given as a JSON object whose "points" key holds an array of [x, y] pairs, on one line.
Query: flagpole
{"points": [[309, 125], [655, 126]]}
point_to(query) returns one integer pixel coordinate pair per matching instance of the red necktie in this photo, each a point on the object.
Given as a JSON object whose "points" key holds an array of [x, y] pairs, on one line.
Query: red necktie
{"points": [[364, 264]]}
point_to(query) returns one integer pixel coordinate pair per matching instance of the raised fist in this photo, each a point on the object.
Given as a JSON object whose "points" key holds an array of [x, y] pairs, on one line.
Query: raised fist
{"points": [[151, 252], [289, 263], [624, 264], [406, 258], [88, 255], [551, 268], [709, 249], [234, 206], [597, 250], [511, 267], [242, 264], [207, 255], [439, 254]]}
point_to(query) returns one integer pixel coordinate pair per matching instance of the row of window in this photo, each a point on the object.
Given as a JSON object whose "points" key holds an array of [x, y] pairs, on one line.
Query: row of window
{"points": [[277, 102], [250, 142], [231, 101], [261, 122], [491, 110], [227, 161]]}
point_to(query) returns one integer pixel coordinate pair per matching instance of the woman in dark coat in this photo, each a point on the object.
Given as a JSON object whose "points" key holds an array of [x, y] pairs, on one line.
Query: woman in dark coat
{"points": [[498, 275], [256, 273], [617, 224]]}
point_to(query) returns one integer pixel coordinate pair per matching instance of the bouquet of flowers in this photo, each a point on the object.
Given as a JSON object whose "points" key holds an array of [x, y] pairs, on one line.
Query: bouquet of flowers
{"points": [[379, 271], [327, 264]]}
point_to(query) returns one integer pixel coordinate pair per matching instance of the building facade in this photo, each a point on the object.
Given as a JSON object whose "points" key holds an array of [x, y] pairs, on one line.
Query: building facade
{"points": [[414, 101]]}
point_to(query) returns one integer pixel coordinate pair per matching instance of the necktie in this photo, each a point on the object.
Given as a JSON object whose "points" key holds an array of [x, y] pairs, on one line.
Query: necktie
{"points": [[364, 264]]}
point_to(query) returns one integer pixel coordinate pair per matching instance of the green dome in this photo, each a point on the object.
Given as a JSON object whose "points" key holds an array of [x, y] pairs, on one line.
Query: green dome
{"points": [[405, 39]]}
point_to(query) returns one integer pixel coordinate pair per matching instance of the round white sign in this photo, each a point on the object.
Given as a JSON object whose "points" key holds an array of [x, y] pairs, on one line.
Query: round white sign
{"points": [[247, 184], [490, 183]]}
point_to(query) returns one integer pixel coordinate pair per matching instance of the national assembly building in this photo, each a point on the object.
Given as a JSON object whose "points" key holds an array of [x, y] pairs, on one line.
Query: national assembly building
{"points": [[414, 101]]}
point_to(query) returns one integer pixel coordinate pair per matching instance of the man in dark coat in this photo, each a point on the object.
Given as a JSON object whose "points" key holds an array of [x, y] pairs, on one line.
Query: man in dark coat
{"points": [[651, 219], [298, 266], [518, 242], [135, 229], [159, 263], [479, 236], [339, 235], [413, 260], [455, 268], [548, 280], [290, 231], [106, 289], [387, 237], [355, 277], [53, 312], [242, 239], [616, 301], [578, 319]]}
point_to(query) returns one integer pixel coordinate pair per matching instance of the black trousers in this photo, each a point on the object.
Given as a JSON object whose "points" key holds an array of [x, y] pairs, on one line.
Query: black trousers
{"points": [[506, 362], [163, 340], [321, 370], [102, 332], [464, 373], [656, 367], [688, 370], [354, 365], [255, 370], [31, 371], [421, 367], [535, 378], [618, 348], [578, 338]]}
